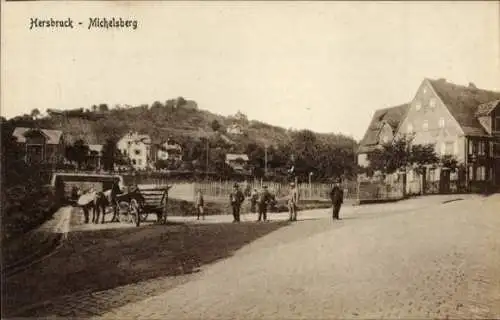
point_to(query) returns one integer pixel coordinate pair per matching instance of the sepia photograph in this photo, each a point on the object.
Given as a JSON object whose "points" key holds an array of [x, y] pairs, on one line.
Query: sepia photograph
{"points": [[250, 159]]}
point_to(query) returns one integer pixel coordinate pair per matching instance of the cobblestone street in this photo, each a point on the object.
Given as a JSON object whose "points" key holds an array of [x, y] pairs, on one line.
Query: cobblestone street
{"points": [[427, 261], [437, 263]]}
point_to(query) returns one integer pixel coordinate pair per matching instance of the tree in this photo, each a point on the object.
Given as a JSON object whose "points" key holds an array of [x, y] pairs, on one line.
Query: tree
{"points": [[400, 155], [215, 125], [78, 152], [94, 108], [110, 153], [35, 113], [103, 107]]}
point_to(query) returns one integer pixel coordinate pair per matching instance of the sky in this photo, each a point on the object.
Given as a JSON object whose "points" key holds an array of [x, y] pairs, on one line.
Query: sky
{"points": [[324, 66]]}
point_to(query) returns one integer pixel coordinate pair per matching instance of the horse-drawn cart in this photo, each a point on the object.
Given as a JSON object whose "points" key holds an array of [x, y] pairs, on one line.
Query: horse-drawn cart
{"points": [[135, 205]]}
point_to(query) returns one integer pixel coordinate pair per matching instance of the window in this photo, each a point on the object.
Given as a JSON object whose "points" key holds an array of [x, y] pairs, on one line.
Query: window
{"points": [[409, 128], [481, 173], [137, 152], [496, 149], [449, 148], [418, 105], [497, 124], [425, 125], [432, 102], [471, 173], [472, 146], [442, 150], [481, 150], [441, 123], [455, 148], [139, 162]]}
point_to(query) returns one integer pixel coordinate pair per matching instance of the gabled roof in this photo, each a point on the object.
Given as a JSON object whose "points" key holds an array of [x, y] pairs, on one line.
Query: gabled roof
{"points": [[136, 137], [392, 116], [486, 108], [52, 136], [233, 156], [463, 103]]}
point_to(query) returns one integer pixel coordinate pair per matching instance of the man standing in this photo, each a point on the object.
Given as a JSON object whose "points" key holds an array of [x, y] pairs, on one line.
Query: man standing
{"points": [[199, 205], [337, 196], [254, 196], [236, 198], [264, 199], [293, 199]]}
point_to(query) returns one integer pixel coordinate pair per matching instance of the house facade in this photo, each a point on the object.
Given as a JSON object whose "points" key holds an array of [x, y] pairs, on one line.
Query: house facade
{"points": [[169, 150], [382, 129], [95, 155], [235, 129], [137, 148], [41, 145], [461, 122], [237, 161]]}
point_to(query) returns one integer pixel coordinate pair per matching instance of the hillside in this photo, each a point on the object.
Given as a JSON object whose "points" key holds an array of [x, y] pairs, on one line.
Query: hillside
{"points": [[182, 121], [179, 121]]}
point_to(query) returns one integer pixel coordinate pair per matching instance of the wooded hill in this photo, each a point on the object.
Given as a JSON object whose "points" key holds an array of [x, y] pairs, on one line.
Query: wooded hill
{"points": [[182, 121]]}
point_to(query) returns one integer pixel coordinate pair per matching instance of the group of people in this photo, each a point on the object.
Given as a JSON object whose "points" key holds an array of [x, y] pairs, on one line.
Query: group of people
{"points": [[260, 200]]}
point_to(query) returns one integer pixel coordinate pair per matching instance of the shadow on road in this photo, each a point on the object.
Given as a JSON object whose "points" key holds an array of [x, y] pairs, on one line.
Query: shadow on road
{"points": [[92, 261]]}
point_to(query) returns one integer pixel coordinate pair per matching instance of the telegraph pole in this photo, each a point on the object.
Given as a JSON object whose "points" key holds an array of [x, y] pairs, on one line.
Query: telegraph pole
{"points": [[265, 160], [206, 162]]}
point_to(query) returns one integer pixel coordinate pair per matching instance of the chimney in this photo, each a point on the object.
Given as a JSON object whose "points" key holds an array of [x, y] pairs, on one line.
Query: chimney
{"points": [[472, 85]]}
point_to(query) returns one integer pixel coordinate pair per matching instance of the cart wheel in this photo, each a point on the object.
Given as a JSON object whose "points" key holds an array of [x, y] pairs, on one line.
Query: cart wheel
{"points": [[134, 211], [123, 212]]}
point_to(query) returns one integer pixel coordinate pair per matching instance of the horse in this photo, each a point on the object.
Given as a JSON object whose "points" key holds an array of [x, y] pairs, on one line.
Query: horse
{"points": [[99, 202]]}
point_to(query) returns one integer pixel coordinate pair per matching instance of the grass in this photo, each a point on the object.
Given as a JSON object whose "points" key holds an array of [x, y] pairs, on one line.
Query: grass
{"points": [[185, 208], [105, 259]]}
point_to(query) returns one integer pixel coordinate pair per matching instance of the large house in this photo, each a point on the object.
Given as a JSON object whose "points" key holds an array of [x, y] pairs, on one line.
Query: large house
{"points": [[137, 147], [460, 121], [41, 145]]}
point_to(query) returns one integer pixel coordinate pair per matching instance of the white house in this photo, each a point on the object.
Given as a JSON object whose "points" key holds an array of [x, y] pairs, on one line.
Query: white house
{"points": [[137, 147], [237, 161], [169, 150], [235, 128]]}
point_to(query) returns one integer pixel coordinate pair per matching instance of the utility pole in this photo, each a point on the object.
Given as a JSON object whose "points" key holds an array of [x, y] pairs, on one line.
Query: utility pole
{"points": [[265, 160], [206, 164]]}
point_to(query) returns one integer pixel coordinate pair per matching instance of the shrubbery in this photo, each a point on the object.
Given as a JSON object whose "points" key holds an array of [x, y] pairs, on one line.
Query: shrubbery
{"points": [[27, 200]]}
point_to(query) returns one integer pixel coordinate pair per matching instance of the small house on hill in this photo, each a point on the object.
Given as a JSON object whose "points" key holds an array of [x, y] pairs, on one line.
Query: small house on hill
{"points": [[237, 161]]}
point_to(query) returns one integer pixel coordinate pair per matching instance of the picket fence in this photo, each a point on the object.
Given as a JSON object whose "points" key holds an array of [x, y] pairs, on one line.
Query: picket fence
{"points": [[313, 191]]}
